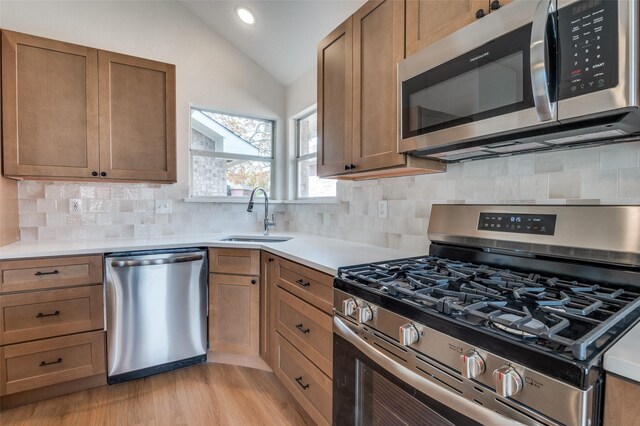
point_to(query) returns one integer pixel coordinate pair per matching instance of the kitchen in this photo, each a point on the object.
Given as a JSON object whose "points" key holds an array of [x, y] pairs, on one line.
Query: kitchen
{"points": [[389, 215]]}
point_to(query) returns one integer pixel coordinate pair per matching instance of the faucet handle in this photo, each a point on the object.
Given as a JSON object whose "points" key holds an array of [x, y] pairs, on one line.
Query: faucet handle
{"points": [[273, 220]]}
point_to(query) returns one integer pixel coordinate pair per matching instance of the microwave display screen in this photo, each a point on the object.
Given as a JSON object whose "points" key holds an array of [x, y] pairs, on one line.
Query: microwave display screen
{"points": [[487, 87]]}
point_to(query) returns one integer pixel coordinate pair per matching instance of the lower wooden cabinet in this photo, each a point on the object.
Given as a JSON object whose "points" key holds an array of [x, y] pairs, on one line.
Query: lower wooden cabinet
{"points": [[234, 314], [33, 365], [307, 328], [621, 398], [309, 386], [42, 314], [299, 333]]}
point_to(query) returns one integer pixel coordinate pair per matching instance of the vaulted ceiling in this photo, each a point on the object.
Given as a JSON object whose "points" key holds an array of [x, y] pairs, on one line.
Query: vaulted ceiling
{"points": [[286, 33]]}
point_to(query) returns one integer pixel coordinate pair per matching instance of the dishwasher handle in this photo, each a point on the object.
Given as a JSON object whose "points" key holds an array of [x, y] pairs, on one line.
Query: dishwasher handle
{"points": [[159, 261]]}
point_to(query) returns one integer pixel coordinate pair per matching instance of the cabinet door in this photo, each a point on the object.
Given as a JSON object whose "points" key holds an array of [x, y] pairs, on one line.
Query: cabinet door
{"points": [[378, 46], [334, 101], [430, 20], [234, 314], [137, 118], [50, 107]]}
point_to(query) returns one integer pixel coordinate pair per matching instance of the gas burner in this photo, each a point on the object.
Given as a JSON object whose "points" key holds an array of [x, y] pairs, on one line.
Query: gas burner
{"points": [[508, 323], [549, 312]]}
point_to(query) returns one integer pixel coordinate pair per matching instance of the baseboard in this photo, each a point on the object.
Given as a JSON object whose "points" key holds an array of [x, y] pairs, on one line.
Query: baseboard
{"points": [[250, 361]]}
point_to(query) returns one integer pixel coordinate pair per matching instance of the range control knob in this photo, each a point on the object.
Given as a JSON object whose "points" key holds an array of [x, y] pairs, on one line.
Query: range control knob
{"points": [[508, 382], [408, 334], [471, 364], [364, 314], [349, 306]]}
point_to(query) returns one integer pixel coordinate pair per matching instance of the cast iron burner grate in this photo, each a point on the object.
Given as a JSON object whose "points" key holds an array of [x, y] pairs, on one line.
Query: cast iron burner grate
{"points": [[560, 315]]}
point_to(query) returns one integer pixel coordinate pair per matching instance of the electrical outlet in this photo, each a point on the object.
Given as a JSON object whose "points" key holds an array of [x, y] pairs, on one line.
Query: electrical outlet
{"points": [[163, 206], [382, 209], [75, 206]]}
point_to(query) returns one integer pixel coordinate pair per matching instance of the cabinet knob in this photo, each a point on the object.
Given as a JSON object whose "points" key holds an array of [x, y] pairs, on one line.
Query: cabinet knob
{"points": [[94, 173], [353, 166], [103, 174], [253, 281], [495, 5], [271, 259], [346, 167], [479, 13]]}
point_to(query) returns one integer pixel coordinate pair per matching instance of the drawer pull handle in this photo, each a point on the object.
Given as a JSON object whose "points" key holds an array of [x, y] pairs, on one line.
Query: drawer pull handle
{"points": [[40, 273], [303, 283], [301, 328], [41, 315], [58, 361], [302, 385]]}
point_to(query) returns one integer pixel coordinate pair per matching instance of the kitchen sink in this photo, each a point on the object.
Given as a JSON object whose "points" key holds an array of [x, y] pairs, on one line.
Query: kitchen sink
{"points": [[256, 239]]}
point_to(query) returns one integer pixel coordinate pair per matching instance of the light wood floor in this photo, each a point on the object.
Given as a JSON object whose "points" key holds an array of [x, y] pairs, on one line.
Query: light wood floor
{"points": [[204, 394]]}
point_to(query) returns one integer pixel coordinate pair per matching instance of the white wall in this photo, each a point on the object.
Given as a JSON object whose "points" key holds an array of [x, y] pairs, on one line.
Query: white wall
{"points": [[209, 71]]}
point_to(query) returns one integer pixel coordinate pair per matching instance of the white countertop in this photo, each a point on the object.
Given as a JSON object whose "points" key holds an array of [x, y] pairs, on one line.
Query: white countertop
{"points": [[321, 253], [623, 358]]}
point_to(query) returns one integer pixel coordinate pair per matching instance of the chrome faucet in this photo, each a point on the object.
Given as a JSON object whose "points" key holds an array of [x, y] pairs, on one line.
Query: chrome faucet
{"points": [[267, 222]]}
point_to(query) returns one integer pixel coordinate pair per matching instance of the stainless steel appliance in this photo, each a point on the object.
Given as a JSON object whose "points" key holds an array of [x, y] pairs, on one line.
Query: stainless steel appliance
{"points": [[505, 321], [537, 75], [156, 311]]}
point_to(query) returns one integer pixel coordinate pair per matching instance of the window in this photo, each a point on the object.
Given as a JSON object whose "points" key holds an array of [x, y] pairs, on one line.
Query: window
{"points": [[230, 154], [309, 184]]}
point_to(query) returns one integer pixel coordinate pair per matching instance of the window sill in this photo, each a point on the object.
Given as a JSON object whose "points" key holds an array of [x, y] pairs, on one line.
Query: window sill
{"points": [[245, 200], [317, 200]]}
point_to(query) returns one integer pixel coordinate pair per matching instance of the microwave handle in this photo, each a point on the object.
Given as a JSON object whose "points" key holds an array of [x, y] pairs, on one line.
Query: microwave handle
{"points": [[538, 61]]}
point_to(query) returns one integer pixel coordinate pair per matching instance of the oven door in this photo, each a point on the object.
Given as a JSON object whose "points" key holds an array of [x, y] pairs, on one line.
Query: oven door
{"points": [[371, 388], [495, 76]]}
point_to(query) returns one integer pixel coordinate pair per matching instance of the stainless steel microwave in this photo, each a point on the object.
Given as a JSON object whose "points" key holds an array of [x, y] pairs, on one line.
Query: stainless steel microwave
{"points": [[536, 75]]}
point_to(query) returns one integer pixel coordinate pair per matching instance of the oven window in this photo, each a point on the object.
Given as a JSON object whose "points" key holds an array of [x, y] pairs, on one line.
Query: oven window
{"points": [[365, 394], [488, 87], [384, 403]]}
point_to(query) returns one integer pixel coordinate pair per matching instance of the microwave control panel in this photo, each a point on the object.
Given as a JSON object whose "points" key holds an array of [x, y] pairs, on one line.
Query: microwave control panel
{"points": [[588, 43]]}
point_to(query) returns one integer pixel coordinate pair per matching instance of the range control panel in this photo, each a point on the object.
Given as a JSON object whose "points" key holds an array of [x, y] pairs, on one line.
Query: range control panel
{"points": [[538, 224], [588, 33]]}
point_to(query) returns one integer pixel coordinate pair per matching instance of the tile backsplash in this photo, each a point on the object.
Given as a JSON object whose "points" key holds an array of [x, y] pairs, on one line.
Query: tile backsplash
{"points": [[120, 210], [600, 175]]}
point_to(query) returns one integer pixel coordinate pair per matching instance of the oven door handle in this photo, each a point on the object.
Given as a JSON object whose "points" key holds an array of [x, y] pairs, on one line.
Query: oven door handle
{"points": [[538, 62], [448, 398]]}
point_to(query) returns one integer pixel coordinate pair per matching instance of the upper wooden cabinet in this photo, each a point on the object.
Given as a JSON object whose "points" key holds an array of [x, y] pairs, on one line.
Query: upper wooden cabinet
{"points": [[50, 107], [357, 96], [75, 112], [431, 20], [335, 67], [137, 118]]}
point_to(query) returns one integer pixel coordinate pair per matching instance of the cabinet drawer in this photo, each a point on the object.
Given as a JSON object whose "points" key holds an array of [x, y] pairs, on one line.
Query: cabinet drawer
{"points": [[308, 284], [42, 314], [234, 261], [33, 365], [307, 328], [305, 381], [37, 274]]}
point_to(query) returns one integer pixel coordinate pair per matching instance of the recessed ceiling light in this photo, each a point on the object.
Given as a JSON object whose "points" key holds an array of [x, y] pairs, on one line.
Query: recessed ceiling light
{"points": [[246, 15]]}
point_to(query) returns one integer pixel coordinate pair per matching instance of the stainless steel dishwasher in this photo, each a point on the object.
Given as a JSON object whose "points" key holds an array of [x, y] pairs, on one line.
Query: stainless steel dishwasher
{"points": [[156, 311]]}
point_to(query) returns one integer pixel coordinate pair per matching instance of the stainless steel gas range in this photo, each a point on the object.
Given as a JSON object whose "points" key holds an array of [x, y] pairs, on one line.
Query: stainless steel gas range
{"points": [[506, 319]]}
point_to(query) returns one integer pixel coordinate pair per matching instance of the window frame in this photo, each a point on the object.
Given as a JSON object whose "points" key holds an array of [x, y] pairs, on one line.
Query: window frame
{"points": [[231, 156], [298, 158]]}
